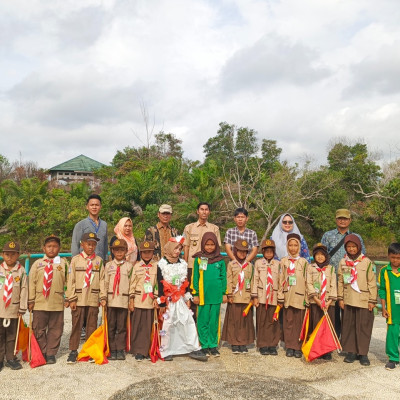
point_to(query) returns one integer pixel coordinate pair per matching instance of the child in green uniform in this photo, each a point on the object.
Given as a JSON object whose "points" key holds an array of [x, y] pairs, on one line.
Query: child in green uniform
{"points": [[389, 292], [209, 283]]}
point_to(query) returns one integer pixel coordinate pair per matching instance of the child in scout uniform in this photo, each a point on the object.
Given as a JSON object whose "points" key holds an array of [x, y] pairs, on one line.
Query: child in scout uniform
{"points": [[321, 288], [292, 295], [114, 293], [143, 300], [209, 284], [46, 298], [238, 330], [389, 293], [13, 302], [264, 294], [83, 291], [357, 295]]}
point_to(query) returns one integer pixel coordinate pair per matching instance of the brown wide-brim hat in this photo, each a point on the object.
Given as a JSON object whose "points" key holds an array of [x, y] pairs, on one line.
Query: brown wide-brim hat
{"points": [[267, 243], [53, 238], [11, 246], [293, 236], [319, 246], [241, 244], [119, 244], [90, 236], [147, 246]]}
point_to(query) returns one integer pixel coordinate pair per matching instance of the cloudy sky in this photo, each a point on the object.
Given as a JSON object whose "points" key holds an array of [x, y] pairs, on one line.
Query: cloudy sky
{"points": [[73, 74]]}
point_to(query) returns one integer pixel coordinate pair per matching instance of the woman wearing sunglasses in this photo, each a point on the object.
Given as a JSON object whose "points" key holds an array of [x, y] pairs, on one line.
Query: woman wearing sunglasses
{"points": [[285, 226]]}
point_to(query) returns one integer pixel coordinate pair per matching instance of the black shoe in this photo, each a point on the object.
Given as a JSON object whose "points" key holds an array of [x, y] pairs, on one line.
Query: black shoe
{"points": [[206, 351], [264, 351], [214, 352], [364, 361], [327, 356], [198, 355], [72, 357], [113, 355], [13, 364], [120, 355], [391, 365], [235, 349], [298, 354], [272, 351], [168, 358], [1, 366], [139, 357], [350, 358], [289, 352], [50, 359], [243, 349]]}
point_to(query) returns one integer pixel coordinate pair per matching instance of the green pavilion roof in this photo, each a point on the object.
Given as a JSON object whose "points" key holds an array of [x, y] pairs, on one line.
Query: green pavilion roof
{"points": [[80, 163]]}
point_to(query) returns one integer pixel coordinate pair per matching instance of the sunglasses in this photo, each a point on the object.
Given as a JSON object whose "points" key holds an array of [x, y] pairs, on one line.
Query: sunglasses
{"points": [[287, 222]]}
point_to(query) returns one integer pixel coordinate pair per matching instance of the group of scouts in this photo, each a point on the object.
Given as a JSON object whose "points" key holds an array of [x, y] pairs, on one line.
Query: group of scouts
{"points": [[162, 287]]}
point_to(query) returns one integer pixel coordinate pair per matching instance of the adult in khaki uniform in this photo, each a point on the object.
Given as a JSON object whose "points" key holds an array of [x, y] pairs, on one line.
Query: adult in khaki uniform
{"points": [[292, 295], [264, 294], [83, 291], [114, 293], [46, 298], [143, 300], [238, 331], [193, 234], [357, 295], [13, 302]]}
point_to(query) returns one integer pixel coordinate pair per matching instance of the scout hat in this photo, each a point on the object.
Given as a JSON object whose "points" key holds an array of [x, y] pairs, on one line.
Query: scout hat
{"points": [[11, 246], [90, 236], [119, 244], [241, 244], [147, 246], [52, 238], [165, 208], [267, 243], [319, 246], [343, 213], [293, 236]]}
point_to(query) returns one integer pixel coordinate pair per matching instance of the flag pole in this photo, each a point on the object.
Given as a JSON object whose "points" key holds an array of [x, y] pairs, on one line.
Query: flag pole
{"points": [[17, 337]]}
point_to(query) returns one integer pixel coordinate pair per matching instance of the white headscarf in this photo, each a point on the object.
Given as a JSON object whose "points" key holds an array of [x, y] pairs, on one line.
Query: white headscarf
{"points": [[279, 236]]}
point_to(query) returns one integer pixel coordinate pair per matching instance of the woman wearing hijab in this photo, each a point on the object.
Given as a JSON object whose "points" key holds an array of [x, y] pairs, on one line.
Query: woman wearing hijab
{"points": [[123, 230], [179, 333], [285, 226]]}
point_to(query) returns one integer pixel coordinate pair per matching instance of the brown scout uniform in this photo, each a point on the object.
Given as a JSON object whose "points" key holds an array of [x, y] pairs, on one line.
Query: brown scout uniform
{"points": [[87, 298], [357, 320], [293, 298], [117, 304], [48, 313], [238, 330], [143, 315], [18, 305], [268, 331]]}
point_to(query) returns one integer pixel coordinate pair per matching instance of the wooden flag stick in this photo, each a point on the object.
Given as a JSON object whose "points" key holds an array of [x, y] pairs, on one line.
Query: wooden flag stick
{"points": [[332, 329], [17, 337]]}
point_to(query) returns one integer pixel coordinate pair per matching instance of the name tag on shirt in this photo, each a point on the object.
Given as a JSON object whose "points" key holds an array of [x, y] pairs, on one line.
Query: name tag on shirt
{"points": [[203, 263], [57, 260], [176, 280], [148, 288], [292, 280], [317, 286], [2, 279], [346, 278], [397, 297], [247, 283]]}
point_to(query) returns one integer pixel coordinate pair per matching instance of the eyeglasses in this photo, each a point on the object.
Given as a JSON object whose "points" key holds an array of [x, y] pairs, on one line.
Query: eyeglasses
{"points": [[287, 222]]}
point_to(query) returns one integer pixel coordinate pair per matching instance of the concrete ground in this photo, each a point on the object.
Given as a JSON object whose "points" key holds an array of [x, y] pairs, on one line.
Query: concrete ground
{"points": [[230, 376]]}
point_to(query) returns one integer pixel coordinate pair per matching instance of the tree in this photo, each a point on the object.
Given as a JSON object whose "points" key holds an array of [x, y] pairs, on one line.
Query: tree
{"points": [[270, 154]]}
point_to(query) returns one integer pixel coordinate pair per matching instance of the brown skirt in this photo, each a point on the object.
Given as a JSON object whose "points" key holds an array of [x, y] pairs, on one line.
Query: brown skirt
{"points": [[142, 322], [292, 323], [238, 330], [268, 330]]}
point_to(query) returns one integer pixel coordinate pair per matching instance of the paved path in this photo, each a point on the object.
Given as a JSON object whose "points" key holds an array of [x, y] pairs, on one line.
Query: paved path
{"points": [[230, 376]]}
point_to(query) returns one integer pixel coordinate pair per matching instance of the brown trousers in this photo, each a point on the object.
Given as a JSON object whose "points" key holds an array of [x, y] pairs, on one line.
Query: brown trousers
{"points": [[7, 339], [142, 323], [238, 330], [86, 314], [357, 326], [117, 320], [268, 330], [193, 306], [292, 323], [48, 328], [316, 314]]}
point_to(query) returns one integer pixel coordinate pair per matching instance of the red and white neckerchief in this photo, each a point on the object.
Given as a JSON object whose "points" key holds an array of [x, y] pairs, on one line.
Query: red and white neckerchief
{"points": [[292, 266], [47, 277], [353, 263], [269, 288], [240, 284], [117, 278], [8, 286], [323, 286], [89, 267], [147, 280]]}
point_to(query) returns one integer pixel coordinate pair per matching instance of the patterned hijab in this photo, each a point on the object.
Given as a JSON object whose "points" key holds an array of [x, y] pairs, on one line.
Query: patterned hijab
{"points": [[169, 248], [132, 248], [213, 257], [279, 236]]}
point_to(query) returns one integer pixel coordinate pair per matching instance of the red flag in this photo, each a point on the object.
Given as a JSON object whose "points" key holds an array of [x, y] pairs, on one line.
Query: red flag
{"points": [[304, 327], [37, 358], [154, 351], [321, 341]]}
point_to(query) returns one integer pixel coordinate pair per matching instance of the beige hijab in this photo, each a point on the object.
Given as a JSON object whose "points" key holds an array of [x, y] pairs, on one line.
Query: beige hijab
{"points": [[169, 248]]}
